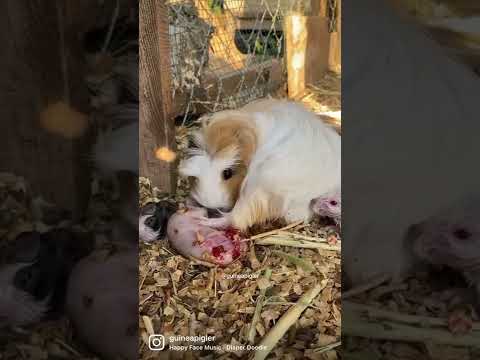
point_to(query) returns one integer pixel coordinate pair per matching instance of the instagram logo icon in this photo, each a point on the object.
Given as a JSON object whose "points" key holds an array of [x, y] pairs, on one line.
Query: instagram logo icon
{"points": [[156, 342]]}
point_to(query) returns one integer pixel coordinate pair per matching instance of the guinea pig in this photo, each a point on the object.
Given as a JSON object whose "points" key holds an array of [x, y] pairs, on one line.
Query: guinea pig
{"points": [[113, 150], [451, 238], [102, 303], [114, 158], [18, 307], [329, 205], [34, 278], [266, 160]]}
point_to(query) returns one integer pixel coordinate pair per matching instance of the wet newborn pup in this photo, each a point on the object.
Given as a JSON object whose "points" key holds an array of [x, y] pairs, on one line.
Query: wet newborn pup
{"points": [[34, 278], [264, 161], [153, 221], [190, 238], [102, 303], [329, 205], [451, 238]]}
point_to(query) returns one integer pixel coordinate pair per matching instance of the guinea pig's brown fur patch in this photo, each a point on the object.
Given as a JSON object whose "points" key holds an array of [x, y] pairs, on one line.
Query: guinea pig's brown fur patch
{"points": [[232, 132], [223, 134], [234, 184]]}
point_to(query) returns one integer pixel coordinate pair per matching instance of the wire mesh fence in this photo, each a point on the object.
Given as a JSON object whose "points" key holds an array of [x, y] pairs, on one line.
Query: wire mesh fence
{"points": [[226, 53]]}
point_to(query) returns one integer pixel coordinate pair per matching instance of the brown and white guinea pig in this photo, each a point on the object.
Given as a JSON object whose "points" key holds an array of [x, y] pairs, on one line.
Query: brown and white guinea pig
{"points": [[266, 160], [451, 238], [117, 150], [115, 156]]}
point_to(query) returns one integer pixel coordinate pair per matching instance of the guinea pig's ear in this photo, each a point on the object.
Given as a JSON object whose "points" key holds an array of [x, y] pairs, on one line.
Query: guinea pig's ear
{"points": [[232, 130]]}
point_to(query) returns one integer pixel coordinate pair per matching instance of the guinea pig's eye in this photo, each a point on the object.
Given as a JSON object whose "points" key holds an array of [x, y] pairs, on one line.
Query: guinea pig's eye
{"points": [[462, 234], [333, 203], [227, 173]]}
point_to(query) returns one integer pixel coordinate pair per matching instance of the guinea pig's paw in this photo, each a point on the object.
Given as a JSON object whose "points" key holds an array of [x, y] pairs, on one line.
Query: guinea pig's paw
{"points": [[216, 223]]}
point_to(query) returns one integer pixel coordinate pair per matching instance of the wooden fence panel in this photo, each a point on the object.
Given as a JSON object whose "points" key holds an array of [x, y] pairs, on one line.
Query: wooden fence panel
{"points": [[42, 65], [157, 127]]}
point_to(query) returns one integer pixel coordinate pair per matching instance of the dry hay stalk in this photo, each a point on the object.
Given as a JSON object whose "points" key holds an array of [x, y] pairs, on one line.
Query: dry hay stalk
{"points": [[295, 242], [286, 321], [373, 323], [258, 308], [362, 288]]}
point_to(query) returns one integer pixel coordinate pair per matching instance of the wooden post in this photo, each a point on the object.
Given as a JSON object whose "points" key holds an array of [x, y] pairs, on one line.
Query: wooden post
{"points": [[41, 62], [335, 51], [307, 44], [157, 127]]}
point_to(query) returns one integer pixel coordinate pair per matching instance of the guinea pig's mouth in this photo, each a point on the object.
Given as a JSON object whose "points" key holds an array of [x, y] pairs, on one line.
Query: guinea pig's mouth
{"points": [[215, 213], [211, 213]]}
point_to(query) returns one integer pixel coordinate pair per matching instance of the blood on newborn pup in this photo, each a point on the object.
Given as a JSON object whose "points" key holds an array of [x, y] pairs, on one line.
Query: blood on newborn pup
{"points": [[190, 238]]}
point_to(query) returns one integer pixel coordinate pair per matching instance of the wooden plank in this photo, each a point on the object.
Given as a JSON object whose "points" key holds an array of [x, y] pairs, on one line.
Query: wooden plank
{"points": [[318, 8], [307, 46], [214, 85], [41, 50], [157, 127], [335, 51], [231, 83]]}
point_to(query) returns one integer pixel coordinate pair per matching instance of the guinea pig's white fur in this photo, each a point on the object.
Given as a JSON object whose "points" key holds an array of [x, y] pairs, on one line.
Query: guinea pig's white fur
{"points": [[113, 151], [282, 157]]}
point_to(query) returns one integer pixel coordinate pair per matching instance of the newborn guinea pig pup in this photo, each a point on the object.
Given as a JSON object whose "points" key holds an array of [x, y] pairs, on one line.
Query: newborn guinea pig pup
{"points": [[34, 277], [18, 307], [267, 160], [190, 238], [451, 238], [153, 221], [329, 205], [102, 303]]}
